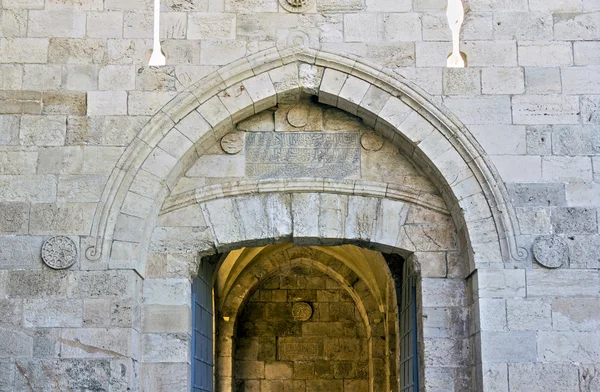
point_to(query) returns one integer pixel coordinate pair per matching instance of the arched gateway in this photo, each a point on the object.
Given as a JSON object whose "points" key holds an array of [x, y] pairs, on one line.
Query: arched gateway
{"points": [[408, 185]]}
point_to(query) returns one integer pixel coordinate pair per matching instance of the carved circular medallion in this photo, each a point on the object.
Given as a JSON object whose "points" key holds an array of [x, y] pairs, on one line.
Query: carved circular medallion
{"points": [[371, 141], [301, 311], [59, 252], [233, 142], [551, 251], [296, 6], [298, 116]]}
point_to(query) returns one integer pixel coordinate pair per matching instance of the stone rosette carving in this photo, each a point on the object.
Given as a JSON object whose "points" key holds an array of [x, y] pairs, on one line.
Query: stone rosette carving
{"points": [[296, 6], [233, 142], [551, 251], [59, 252], [301, 311], [371, 141]]}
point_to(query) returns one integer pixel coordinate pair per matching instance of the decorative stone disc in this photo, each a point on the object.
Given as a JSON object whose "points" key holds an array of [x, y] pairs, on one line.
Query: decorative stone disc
{"points": [[59, 252], [296, 6], [298, 116], [233, 142], [371, 141], [301, 311], [551, 251]]}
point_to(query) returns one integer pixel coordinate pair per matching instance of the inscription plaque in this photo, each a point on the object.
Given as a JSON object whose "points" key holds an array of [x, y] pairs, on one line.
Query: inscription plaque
{"points": [[302, 154]]}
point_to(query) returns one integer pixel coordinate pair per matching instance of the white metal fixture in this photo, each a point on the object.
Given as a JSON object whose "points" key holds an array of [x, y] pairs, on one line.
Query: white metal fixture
{"points": [[158, 58], [455, 15]]}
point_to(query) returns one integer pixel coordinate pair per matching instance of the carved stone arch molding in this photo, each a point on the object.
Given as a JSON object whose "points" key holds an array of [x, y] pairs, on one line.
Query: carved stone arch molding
{"points": [[431, 136]]}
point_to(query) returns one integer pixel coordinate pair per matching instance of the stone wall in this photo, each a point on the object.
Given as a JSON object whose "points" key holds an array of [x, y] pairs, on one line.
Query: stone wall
{"points": [[75, 89], [275, 351]]}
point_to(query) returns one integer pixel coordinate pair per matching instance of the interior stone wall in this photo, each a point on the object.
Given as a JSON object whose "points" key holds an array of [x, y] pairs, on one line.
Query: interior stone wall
{"points": [[327, 352]]}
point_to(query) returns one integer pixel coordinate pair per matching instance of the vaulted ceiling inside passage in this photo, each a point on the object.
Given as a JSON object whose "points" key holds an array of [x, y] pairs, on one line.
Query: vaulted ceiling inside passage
{"points": [[368, 266]]}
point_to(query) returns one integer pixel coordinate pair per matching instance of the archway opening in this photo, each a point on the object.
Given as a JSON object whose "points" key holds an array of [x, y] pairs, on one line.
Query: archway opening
{"points": [[306, 318]]}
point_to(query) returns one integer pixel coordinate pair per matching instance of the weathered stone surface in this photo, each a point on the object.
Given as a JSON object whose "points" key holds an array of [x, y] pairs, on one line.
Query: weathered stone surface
{"points": [[576, 314], [37, 284], [563, 376], [542, 195], [103, 284], [166, 347], [575, 220], [562, 283], [53, 313], [582, 347], [63, 218]]}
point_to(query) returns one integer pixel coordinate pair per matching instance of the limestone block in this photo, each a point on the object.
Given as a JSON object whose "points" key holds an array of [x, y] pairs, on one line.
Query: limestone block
{"points": [[9, 135], [108, 155], [331, 85], [64, 102], [104, 24], [506, 139], [18, 160], [481, 110], [529, 315], [14, 218], [80, 189], [576, 314], [534, 221], [539, 140], [540, 195], [221, 166], [500, 283], [13, 22], [15, 344], [582, 347], [545, 109], [562, 283], [400, 54], [523, 26], [586, 53], [96, 313], [221, 52], [461, 81], [147, 103], [188, 53], [445, 352], [577, 26], [287, 83], [117, 77], [53, 313], [23, 4], [590, 109], [585, 251], [107, 102], [250, 7], [98, 342], [489, 314], [443, 292], [486, 54], [60, 160], [167, 292], [391, 215], [165, 347], [237, 101], [43, 130], [278, 370], [503, 5], [361, 27], [340, 5], [7, 374], [76, 51], [508, 347], [103, 284], [75, 4], [305, 215], [128, 51], [591, 5], [42, 77], [261, 91], [518, 168], [567, 169], [165, 376], [581, 80], [360, 218], [388, 6], [211, 26], [264, 27], [147, 184], [128, 228], [56, 23], [540, 80], [20, 252], [24, 50], [575, 140], [30, 188], [166, 318], [11, 76], [502, 81], [12, 311], [20, 102], [124, 255], [173, 25], [36, 284], [138, 24], [155, 79], [401, 26], [564, 377], [62, 218]]}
